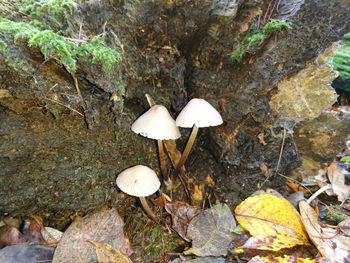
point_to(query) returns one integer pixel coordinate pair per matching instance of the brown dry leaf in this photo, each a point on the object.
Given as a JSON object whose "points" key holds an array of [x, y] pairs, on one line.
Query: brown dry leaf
{"points": [[173, 152], [197, 195], [272, 221], [332, 245], [287, 259], [345, 226], [209, 180], [337, 179], [104, 225], [181, 215], [107, 254]]}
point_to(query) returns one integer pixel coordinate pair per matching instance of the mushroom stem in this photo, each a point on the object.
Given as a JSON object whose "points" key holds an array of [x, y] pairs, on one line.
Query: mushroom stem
{"points": [[166, 178], [149, 211], [187, 150]]}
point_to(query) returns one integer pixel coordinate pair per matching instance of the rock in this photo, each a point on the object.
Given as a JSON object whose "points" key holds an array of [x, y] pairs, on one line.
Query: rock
{"points": [[305, 95], [323, 138]]}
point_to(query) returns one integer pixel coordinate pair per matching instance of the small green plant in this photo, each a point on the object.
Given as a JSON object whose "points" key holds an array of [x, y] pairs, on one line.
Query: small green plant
{"points": [[256, 36], [345, 159], [337, 216]]}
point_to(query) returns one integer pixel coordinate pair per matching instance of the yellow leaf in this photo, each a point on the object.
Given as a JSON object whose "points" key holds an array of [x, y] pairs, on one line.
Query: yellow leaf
{"points": [[272, 221], [107, 254], [286, 259]]}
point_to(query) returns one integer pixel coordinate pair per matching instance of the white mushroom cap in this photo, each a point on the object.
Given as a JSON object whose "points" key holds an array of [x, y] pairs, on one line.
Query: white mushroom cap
{"points": [[199, 112], [156, 123], [138, 181]]}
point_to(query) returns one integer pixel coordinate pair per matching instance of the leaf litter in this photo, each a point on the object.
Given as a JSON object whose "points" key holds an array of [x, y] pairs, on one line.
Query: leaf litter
{"points": [[210, 232], [104, 226]]}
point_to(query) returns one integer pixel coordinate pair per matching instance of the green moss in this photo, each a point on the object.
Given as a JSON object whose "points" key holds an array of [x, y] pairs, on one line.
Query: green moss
{"points": [[53, 45], [99, 53], [255, 36], [3, 45], [156, 248], [341, 62], [276, 26], [337, 216], [54, 12]]}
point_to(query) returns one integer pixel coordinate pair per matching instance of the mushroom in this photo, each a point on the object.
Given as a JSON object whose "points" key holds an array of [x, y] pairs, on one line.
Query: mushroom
{"points": [[197, 113], [140, 181], [156, 123]]}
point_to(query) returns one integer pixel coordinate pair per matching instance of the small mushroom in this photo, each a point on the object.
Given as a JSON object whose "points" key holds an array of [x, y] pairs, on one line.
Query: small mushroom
{"points": [[140, 181], [197, 113], [156, 123]]}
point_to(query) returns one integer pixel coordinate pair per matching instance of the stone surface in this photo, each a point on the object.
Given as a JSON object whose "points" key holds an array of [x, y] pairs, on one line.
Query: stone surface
{"points": [[52, 164], [323, 138], [305, 95]]}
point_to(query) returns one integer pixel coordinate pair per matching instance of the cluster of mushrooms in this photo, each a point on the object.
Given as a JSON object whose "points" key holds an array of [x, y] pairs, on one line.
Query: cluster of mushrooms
{"points": [[141, 181]]}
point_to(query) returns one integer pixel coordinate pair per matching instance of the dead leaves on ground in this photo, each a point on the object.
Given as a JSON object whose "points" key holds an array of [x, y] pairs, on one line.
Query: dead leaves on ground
{"points": [[336, 175], [181, 215], [104, 226], [286, 259], [107, 254], [210, 232], [329, 241], [272, 221]]}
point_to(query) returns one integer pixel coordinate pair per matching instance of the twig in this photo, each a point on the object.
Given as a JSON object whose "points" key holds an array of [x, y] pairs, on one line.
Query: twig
{"points": [[80, 29], [59, 103], [212, 213], [83, 104], [279, 158], [266, 12], [281, 151], [47, 93]]}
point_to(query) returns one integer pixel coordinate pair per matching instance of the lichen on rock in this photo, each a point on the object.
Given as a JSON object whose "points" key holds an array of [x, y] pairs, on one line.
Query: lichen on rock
{"points": [[305, 95]]}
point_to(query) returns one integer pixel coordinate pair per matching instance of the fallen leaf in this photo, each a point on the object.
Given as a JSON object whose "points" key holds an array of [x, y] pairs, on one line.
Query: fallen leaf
{"points": [[197, 195], [181, 215], [210, 232], [337, 178], [331, 244], [51, 234], [101, 226], [210, 181], [272, 221], [107, 254], [345, 226], [26, 253], [286, 259], [199, 260], [173, 152]]}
